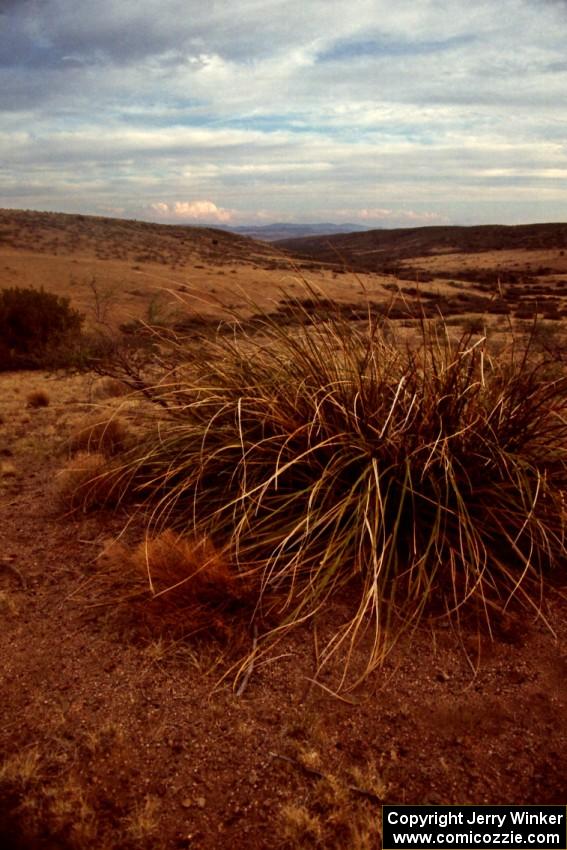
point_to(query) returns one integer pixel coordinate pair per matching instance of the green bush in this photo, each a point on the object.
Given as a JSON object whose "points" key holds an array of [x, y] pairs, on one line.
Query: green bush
{"points": [[37, 329]]}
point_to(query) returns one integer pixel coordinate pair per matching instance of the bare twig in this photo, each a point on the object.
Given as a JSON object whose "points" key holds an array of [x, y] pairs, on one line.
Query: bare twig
{"points": [[250, 667]]}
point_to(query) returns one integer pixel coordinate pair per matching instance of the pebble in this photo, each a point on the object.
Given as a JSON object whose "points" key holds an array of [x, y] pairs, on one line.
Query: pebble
{"points": [[189, 802]]}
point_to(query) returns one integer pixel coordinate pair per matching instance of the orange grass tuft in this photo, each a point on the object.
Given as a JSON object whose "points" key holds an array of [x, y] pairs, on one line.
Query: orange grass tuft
{"points": [[88, 481], [108, 387], [193, 587], [194, 569], [108, 437]]}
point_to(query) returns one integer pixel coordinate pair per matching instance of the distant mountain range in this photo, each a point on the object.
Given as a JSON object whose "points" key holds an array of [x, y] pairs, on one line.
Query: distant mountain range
{"points": [[283, 230]]}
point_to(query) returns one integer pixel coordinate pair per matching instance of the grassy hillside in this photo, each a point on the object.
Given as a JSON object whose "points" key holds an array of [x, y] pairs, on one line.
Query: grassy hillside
{"points": [[121, 239], [131, 265], [115, 271], [375, 250]]}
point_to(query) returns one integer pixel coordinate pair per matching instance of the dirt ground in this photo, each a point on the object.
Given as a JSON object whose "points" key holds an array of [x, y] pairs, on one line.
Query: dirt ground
{"points": [[115, 734]]}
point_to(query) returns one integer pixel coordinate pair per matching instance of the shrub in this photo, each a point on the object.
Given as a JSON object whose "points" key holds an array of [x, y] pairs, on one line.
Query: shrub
{"points": [[38, 398], [37, 329], [331, 460]]}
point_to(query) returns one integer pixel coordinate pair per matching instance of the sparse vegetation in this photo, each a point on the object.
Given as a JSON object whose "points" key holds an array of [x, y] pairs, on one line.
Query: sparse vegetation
{"points": [[88, 481], [107, 387], [341, 811], [8, 469]]}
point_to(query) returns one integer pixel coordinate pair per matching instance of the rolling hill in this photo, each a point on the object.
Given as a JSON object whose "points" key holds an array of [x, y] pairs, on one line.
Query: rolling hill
{"points": [[377, 250], [131, 264], [117, 271], [122, 239]]}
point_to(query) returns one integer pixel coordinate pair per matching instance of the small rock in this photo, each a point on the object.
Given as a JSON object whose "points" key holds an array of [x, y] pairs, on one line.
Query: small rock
{"points": [[189, 802]]}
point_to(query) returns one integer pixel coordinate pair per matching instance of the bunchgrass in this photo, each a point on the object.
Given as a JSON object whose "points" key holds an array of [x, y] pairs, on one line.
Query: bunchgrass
{"points": [[327, 460], [193, 575], [88, 482], [108, 435]]}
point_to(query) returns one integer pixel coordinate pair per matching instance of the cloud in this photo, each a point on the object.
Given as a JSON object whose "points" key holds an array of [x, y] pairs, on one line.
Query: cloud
{"points": [[393, 217], [355, 49], [452, 109], [203, 211]]}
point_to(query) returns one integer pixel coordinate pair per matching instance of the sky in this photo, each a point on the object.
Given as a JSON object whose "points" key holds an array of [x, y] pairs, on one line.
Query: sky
{"points": [[381, 113]]}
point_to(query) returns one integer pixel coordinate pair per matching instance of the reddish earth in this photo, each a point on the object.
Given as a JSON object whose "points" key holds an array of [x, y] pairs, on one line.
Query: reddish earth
{"points": [[115, 735]]}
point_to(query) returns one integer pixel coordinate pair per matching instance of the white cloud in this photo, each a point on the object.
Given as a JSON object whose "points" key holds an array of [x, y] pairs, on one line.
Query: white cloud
{"points": [[205, 211]]}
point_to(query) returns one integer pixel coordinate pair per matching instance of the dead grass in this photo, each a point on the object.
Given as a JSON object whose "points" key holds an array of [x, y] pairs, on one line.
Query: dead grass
{"points": [[193, 568], [192, 587], [108, 436], [21, 768], [70, 810], [341, 810], [143, 822], [88, 481], [331, 817], [108, 387], [9, 603], [301, 828], [50, 795], [8, 469], [42, 798]]}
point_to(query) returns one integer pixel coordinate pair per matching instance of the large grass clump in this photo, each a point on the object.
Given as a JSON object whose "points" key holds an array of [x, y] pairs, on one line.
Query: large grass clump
{"points": [[332, 462]]}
